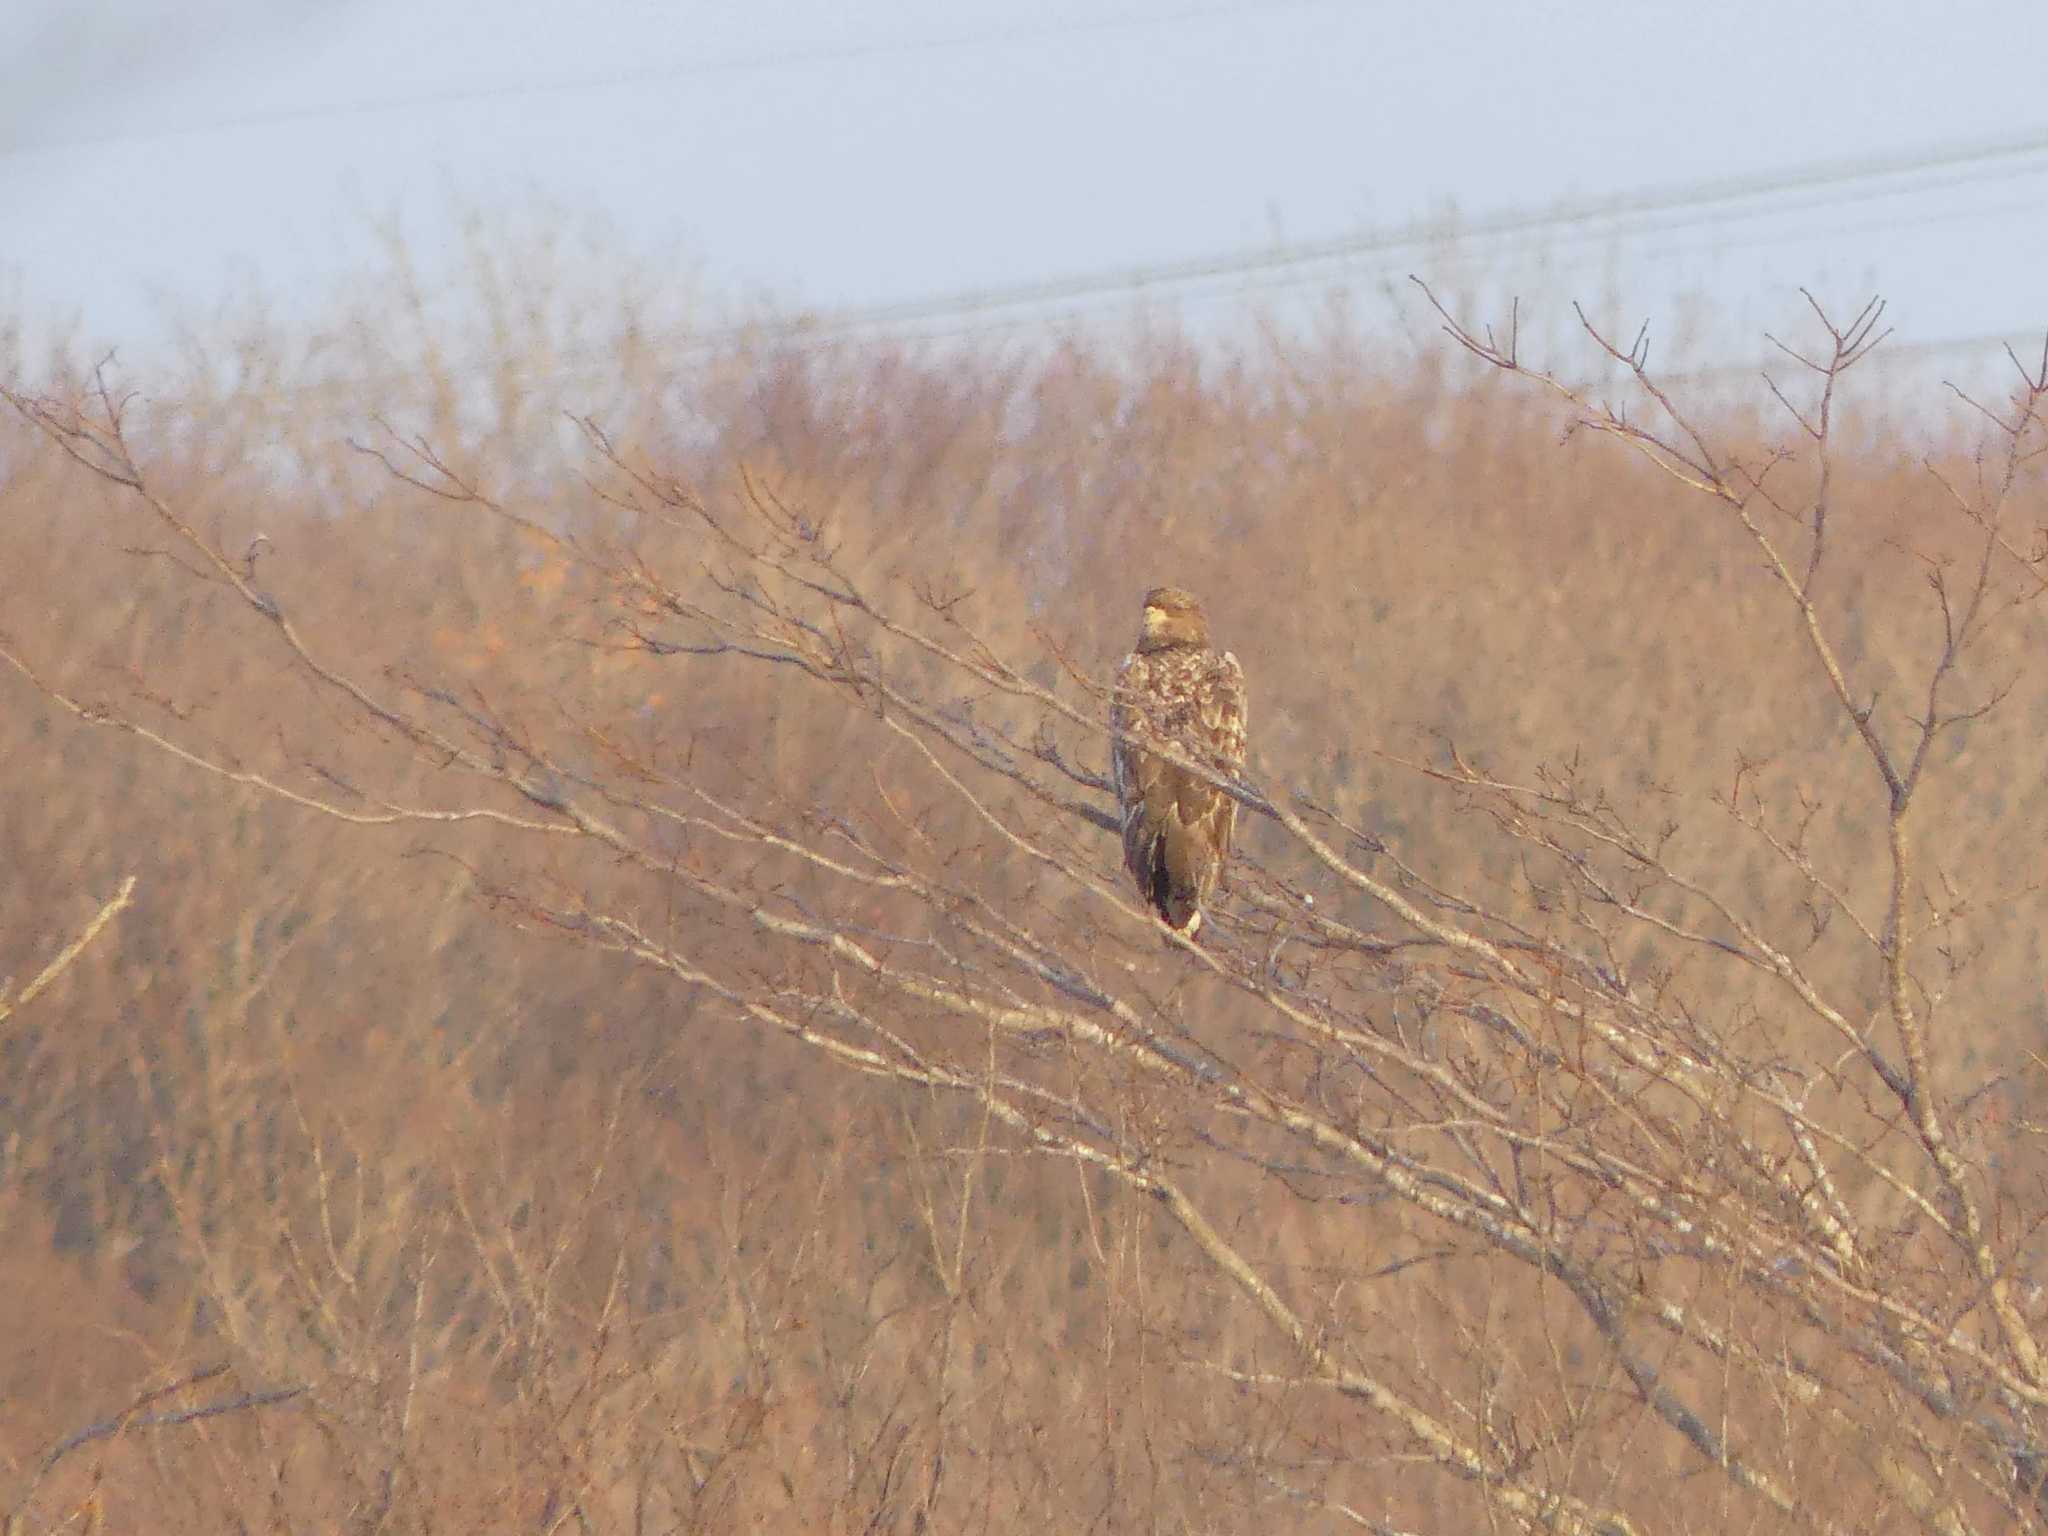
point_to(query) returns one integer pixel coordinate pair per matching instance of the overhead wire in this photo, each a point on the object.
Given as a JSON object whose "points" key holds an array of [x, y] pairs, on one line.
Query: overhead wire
{"points": [[1337, 262], [1621, 217], [670, 73]]}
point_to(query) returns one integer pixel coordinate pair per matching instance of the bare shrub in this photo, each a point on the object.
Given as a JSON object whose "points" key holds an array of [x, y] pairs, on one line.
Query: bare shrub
{"points": [[1518, 1145]]}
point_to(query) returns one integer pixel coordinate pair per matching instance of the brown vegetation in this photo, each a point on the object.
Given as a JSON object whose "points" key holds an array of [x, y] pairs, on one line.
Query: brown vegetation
{"points": [[627, 1016]]}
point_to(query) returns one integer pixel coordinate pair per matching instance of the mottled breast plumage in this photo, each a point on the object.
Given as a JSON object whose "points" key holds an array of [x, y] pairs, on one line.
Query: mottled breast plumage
{"points": [[1177, 824]]}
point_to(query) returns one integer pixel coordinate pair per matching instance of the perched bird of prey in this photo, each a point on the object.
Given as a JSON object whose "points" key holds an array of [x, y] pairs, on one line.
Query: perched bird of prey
{"points": [[1176, 690]]}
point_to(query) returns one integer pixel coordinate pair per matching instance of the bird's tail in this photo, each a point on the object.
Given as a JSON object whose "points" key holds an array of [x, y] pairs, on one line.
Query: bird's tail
{"points": [[1182, 878]]}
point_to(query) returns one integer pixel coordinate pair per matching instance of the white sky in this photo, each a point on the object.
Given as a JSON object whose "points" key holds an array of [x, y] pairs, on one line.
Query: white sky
{"points": [[157, 156]]}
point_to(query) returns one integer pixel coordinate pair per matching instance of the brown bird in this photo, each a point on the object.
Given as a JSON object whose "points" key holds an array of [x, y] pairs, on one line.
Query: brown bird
{"points": [[1176, 690]]}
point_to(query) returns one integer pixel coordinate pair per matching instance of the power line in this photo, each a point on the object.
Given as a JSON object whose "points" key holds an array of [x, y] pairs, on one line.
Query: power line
{"points": [[660, 74], [1714, 201], [1630, 215], [1635, 214]]}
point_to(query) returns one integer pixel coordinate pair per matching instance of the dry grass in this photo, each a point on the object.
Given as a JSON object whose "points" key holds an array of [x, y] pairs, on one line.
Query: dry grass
{"points": [[556, 1245]]}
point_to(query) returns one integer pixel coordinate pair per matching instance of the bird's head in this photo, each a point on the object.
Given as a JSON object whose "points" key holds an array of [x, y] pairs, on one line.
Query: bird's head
{"points": [[1172, 617]]}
